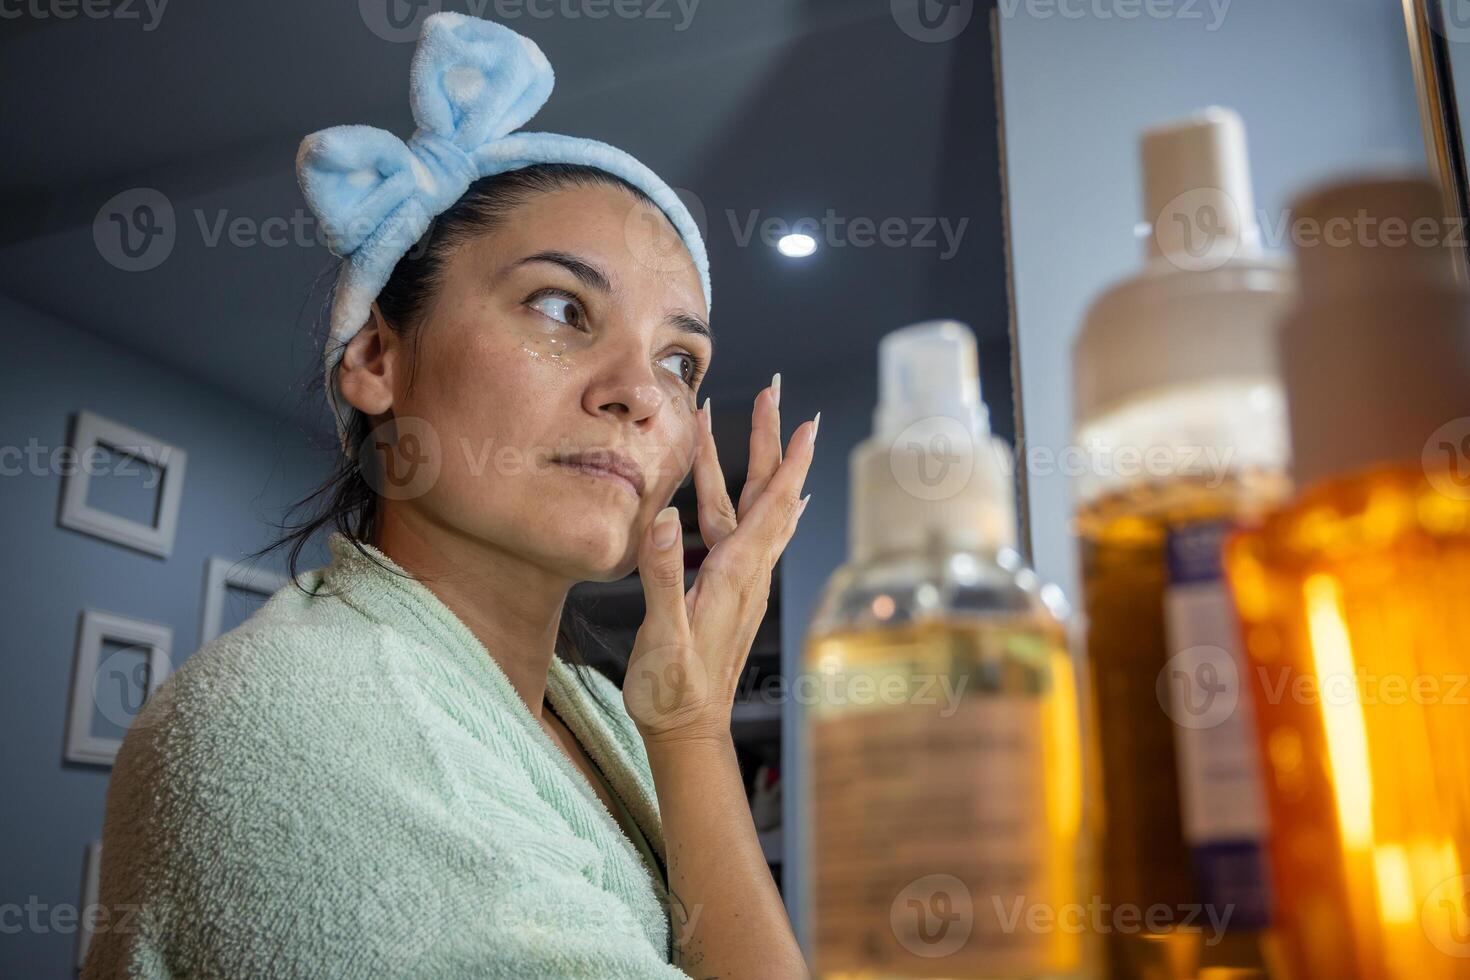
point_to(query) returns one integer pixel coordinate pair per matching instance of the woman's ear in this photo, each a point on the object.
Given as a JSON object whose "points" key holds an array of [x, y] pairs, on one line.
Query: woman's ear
{"points": [[365, 373]]}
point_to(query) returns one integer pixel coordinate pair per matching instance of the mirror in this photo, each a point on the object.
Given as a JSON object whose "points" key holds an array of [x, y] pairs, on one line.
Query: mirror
{"points": [[1439, 48]]}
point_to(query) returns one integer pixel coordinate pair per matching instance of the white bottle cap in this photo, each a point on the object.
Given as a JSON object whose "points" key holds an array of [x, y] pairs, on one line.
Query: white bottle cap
{"points": [[1197, 190], [928, 369], [931, 475], [1376, 354]]}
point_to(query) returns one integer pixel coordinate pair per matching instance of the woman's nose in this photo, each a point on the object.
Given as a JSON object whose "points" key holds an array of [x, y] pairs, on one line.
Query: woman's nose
{"points": [[626, 387]]}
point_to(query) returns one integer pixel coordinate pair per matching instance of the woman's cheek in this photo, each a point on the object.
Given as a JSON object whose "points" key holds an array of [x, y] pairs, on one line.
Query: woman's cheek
{"points": [[676, 459]]}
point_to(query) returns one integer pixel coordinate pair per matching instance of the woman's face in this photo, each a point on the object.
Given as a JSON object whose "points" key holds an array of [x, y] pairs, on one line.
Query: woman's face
{"points": [[575, 328]]}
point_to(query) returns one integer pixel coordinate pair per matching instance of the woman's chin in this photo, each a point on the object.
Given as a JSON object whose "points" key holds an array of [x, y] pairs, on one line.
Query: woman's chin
{"points": [[600, 555], [581, 571]]}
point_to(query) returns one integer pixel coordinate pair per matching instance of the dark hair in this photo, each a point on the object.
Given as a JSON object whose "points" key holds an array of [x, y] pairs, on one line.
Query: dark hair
{"points": [[346, 501]]}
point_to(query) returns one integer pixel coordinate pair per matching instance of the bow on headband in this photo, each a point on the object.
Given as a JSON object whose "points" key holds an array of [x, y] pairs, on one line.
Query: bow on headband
{"points": [[472, 84]]}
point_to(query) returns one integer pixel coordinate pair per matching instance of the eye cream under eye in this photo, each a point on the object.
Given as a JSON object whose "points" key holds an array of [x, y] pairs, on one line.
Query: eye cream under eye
{"points": [[548, 350]]}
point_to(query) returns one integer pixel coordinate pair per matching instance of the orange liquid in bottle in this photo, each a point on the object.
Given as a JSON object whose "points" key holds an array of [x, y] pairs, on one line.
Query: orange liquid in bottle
{"points": [[1355, 609]]}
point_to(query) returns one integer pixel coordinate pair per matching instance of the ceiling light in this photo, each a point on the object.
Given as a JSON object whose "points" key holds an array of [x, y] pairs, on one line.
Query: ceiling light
{"points": [[796, 246]]}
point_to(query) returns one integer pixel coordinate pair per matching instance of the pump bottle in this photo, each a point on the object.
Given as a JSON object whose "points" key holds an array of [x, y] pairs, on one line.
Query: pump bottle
{"points": [[942, 738], [1180, 425]]}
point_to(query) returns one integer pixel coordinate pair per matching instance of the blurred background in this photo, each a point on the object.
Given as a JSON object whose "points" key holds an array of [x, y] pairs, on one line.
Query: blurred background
{"points": [[159, 271]]}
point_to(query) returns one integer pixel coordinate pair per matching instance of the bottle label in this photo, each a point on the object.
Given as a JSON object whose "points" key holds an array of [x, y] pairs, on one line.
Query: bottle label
{"points": [[944, 843], [1205, 687]]}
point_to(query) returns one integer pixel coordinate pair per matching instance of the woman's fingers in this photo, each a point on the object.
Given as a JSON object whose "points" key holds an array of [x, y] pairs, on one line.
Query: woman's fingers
{"points": [[771, 513], [765, 444], [667, 685], [661, 567], [716, 512], [790, 529]]}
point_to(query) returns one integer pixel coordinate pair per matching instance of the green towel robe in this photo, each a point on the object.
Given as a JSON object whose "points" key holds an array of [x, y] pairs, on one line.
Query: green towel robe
{"points": [[349, 786]]}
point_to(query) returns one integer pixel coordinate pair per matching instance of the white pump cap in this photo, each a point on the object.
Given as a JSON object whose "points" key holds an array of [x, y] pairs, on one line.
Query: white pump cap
{"points": [[928, 369], [931, 475], [1197, 191]]}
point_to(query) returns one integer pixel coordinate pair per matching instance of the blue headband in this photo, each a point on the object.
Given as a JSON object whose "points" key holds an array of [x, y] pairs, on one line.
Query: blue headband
{"points": [[471, 84]]}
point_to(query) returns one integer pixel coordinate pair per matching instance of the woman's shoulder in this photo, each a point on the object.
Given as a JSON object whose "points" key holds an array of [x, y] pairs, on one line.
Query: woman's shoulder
{"points": [[301, 670]]}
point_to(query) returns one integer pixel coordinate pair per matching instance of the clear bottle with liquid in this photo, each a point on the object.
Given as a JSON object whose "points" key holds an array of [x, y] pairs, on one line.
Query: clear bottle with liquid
{"points": [[1355, 599], [1181, 430], [942, 737]]}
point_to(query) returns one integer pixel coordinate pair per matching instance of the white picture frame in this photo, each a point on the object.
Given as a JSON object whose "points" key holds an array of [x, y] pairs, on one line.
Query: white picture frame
{"points": [[220, 576], [91, 891], [93, 431], [82, 743]]}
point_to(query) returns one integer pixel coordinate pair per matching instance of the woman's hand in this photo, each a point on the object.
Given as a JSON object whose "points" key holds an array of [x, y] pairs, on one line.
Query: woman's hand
{"points": [[689, 652]]}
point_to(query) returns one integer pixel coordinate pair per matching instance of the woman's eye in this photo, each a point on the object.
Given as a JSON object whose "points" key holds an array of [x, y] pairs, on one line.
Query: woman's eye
{"points": [[687, 371], [561, 308]]}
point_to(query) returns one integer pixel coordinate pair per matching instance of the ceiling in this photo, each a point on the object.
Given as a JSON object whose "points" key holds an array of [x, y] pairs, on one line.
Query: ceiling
{"points": [[761, 109]]}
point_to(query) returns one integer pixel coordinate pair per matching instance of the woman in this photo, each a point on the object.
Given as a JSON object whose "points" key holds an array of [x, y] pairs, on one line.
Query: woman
{"points": [[390, 770]]}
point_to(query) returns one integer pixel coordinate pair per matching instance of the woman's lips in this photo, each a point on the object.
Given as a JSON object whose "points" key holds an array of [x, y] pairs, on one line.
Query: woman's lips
{"points": [[602, 472]]}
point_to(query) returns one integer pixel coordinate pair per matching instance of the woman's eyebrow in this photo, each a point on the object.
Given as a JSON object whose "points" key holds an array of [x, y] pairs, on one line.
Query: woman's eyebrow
{"points": [[689, 323], [585, 271]]}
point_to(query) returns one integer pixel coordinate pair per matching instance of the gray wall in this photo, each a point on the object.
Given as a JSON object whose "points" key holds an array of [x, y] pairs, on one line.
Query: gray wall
{"points": [[243, 468], [1323, 85]]}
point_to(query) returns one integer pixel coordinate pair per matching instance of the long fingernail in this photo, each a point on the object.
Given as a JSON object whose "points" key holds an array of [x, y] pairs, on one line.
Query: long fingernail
{"points": [[666, 528], [709, 424], [801, 507], [810, 437], [776, 389]]}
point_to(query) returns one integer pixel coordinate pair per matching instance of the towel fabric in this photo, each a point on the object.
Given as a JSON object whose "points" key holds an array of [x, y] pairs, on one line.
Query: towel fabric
{"points": [[349, 786]]}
